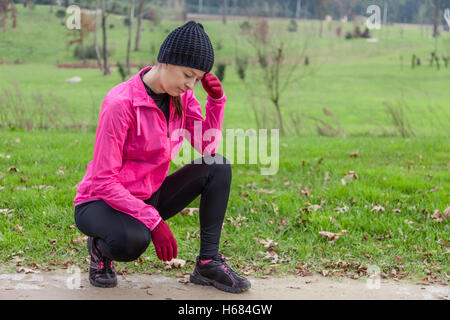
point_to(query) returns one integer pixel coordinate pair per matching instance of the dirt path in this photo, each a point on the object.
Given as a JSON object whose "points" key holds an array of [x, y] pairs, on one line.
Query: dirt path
{"points": [[63, 285]]}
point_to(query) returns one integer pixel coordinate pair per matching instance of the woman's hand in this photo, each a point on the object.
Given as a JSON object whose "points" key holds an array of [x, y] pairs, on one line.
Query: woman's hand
{"points": [[164, 242], [212, 86]]}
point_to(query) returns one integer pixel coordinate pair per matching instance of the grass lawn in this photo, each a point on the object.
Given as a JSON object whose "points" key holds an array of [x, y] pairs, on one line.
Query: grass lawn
{"points": [[391, 207]]}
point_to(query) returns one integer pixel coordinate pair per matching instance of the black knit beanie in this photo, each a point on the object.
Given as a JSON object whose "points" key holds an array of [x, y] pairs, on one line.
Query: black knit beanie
{"points": [[188, 46]]}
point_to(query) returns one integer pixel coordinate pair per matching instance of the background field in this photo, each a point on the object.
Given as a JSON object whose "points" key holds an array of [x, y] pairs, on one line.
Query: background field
{"points": [[273, 222]]}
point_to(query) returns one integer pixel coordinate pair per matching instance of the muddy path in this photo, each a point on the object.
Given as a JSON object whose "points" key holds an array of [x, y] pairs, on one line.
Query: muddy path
{"points": [[62, 285]]}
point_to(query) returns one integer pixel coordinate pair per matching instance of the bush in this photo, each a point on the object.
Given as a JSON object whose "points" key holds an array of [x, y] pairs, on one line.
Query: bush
{"points": [[366, 33], [241, 64], [121, 69], [292, 26], [245, 26], [220, 71], [87, 52], [60, 13]]}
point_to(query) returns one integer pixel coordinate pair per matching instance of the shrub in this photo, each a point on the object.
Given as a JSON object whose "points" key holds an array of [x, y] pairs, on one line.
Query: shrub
{"points": [[241, 64], [220, 71], [292, 26]]}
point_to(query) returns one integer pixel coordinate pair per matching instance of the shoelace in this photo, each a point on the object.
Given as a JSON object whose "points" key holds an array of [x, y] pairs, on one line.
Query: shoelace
{"points": [[108, 265]]}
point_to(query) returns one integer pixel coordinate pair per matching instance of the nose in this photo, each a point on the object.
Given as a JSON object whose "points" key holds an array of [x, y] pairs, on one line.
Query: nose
{"points": [[190, 84]]}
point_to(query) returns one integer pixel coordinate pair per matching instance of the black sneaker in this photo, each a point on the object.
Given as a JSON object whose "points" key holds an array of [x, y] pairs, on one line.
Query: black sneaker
{"points": [[218, 274], [101, 270]]}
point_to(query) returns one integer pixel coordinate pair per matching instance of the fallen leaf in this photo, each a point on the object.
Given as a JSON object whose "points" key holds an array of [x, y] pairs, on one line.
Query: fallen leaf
{"points": [[53, 241], [326, 177], [188, 211], [446, 212], [314, 207], [377, 208], [25, 270], [341, 209], [266, 191], [283, 222], [175, 263], [305, 192], [332, 236], [398, 259], [18, 228], [354, 154], [268, 243], [13, 169], [396, 210], [351, 175]]}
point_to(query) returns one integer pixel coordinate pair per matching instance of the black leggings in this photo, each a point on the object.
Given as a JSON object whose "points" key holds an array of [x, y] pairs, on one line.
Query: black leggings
{"points": [[122, 237]]}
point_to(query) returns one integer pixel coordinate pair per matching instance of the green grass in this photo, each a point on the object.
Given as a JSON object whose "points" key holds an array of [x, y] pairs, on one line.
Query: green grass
{"points": [[350, 78], [383, 178]]}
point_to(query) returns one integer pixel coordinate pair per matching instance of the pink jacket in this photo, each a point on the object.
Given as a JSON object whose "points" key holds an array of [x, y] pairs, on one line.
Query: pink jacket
{"points": [[133, 150]]}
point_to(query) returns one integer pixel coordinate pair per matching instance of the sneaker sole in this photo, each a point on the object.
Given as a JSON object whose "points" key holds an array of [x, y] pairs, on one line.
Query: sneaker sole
{"points": [[103, 285], [199, 279]]}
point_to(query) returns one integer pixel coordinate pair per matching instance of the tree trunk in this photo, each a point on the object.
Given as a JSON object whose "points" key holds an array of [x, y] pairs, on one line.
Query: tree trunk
{"points": [[298, 9], [97, 51], [130, 32], [437, 4], [106, 70], [139, 24], [224, 11]]}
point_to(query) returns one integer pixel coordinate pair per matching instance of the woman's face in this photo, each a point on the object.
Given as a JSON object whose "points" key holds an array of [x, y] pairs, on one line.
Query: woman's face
{"points": [[177, 79]]}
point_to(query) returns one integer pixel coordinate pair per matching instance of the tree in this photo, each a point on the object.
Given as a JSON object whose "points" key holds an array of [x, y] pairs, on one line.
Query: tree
{"points": [[276, 72], [224, 4], [139, 24], [97, 51], [130, 32], [106, 70], [4, 9], [437, 4]]}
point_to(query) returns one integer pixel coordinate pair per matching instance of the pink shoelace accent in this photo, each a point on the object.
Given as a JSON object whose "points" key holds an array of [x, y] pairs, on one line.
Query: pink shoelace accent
{"points": [[205, 261]]}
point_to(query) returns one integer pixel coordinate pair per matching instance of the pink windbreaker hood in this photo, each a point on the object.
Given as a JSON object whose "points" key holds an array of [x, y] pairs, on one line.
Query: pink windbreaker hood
{"points": [[134, 146]]}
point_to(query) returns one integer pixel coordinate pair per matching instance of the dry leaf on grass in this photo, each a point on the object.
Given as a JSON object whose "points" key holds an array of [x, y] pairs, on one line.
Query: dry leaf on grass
{"points": [[377, 208], [343, 209], [175, 263], [440, 216], [354, 154], [188, 211], [268, 243], [332, 236]]}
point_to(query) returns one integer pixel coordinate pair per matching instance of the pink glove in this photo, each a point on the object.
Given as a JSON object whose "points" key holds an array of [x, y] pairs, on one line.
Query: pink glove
{"points": [[164, 242], [212, 86]]}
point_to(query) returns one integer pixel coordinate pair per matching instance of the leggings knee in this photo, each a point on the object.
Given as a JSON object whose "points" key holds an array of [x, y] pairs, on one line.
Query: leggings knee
{"points": [[126, 249]]}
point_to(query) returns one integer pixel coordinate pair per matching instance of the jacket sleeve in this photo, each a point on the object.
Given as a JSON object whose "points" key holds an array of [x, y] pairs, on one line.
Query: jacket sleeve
{"points": [[202, 131], [114, 121]]}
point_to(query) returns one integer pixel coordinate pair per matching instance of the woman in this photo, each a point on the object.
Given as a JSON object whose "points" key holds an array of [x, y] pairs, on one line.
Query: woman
{"points": [[126, 195]]}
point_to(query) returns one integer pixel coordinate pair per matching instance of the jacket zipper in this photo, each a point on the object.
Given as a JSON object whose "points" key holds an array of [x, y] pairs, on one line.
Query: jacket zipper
{"points": [[167, 121]]}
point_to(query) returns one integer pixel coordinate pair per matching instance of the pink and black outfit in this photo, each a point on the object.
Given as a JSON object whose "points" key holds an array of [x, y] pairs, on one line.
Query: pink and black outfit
{"points": [[126, 195], [126, 190]]}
